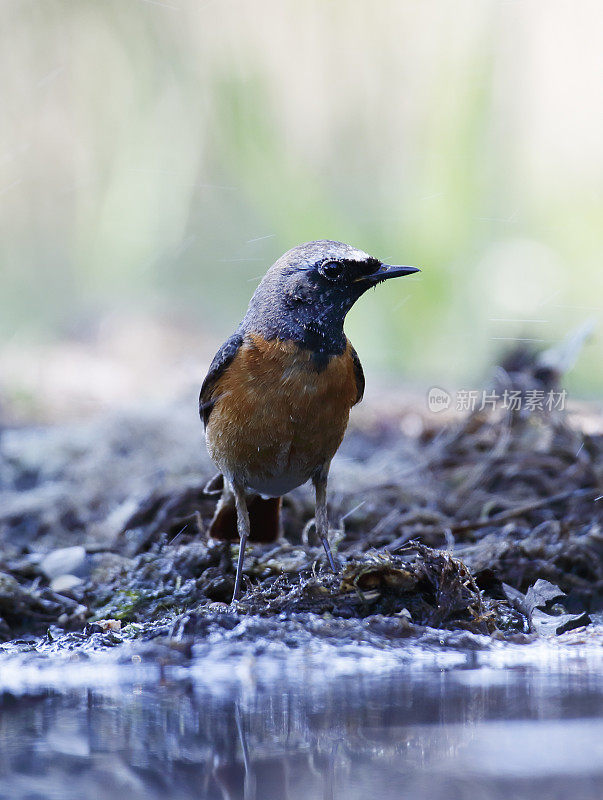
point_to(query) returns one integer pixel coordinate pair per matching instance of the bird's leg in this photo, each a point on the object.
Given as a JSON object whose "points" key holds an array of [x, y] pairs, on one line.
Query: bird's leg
{"points": [[322, 520], [243, 528]]}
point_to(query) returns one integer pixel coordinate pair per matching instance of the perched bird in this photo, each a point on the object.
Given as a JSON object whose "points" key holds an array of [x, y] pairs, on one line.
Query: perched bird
{"points": [[277, 398]]}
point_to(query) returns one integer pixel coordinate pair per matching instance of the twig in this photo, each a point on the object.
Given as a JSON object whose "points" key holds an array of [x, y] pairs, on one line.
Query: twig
{"points": [[519, 510]]}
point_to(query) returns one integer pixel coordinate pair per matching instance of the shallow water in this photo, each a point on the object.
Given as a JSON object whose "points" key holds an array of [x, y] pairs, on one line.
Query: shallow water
{"points": [[519, 723]]}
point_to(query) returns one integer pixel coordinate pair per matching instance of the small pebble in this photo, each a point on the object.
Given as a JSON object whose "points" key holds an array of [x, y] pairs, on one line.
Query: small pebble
{"points": [[218, 608], [64, 583], [110, 625], [64, 561]]}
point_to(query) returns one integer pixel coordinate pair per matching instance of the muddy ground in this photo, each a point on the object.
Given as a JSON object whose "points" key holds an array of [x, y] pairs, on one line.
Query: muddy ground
{"points": [[487, 526]]}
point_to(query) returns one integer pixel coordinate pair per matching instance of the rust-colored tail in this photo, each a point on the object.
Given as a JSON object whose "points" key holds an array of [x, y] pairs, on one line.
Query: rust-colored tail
{"points": [[264, 519]]}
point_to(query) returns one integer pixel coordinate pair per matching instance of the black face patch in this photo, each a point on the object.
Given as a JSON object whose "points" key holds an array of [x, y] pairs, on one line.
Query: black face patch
{"points": [[343, 273], [332, 270], [320, 359], [305, 296]]}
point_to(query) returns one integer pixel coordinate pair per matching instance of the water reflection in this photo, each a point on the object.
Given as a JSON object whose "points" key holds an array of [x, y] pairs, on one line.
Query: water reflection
{"points": [[426, 733]]}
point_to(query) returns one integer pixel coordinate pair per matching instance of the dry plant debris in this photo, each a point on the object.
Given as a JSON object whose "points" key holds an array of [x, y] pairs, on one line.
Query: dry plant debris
{"points": [[455, 529]]}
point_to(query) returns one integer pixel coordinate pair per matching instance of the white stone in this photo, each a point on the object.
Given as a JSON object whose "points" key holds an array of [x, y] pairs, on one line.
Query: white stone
{"points": [[64, 561], [64, 583]]}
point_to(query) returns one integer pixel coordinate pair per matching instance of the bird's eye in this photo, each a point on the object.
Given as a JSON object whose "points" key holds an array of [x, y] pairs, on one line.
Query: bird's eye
{"points": [[331, 269]]}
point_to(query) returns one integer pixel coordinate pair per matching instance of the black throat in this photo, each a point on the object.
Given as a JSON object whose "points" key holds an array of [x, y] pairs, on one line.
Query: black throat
{"points": [[322, 334]]}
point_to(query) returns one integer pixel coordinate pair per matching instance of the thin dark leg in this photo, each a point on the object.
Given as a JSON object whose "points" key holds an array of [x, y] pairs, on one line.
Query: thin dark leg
{"points": [[322, 520], [243, 528]]}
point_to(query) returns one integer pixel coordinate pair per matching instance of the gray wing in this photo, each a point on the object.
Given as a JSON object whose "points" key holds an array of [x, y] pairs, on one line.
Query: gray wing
{"points": [[221, 360], [359, 374]]}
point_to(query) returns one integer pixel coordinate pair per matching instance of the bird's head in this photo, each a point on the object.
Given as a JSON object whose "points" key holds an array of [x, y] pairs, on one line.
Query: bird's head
{"points": [[313, 286]]}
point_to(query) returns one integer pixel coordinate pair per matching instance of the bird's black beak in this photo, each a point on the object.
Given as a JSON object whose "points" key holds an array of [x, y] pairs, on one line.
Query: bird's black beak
{"points": [[386, 271]]}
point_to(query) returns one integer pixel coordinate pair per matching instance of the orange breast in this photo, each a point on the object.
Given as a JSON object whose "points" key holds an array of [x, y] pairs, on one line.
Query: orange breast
{"points": [[276, 417]]}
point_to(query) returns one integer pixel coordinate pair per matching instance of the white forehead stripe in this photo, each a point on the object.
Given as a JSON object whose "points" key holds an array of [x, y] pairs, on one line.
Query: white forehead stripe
{"points": [[357, 255]]}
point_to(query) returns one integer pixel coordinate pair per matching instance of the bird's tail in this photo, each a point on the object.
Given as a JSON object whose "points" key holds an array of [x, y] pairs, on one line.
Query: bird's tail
{"points": [[264, 518]]}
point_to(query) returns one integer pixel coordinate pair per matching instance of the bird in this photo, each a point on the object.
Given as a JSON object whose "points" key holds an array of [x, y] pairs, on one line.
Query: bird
{"points": [[276, 400]]}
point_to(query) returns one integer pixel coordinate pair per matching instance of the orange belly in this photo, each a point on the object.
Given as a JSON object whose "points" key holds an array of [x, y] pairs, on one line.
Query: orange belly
{"points": [[276, 417]]}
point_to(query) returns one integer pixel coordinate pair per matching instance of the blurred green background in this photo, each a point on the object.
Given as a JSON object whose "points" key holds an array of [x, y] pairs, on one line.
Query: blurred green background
{"points": [[156, 157]]}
